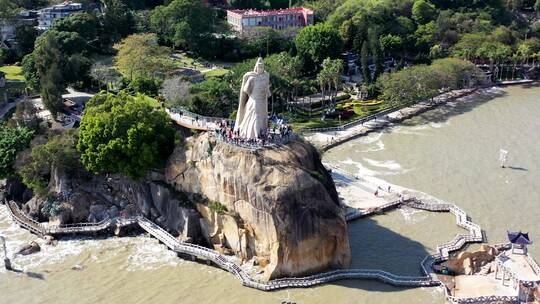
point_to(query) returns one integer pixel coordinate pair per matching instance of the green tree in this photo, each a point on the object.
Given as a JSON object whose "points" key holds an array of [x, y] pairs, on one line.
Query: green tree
{"points": [[423, 11], [147, 86], [84, 24], [245, 4], [391, 44], [331, 74], [139, 55], [514, 5], [124, 134], [424, 36], [48, 65], [12, 141], [58, 155], [454, 73], [30, 71], [26, 36], [3, 56], [69, 43], [9, 10], [467, 46], [182, 23], [316, 43], [117, 22], [376, 52], [364, 62], [503, 35], [410, 85]]}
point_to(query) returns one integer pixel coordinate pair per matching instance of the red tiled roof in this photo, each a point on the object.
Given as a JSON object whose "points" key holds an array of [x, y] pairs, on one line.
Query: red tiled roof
{"points": [[252, 12]]}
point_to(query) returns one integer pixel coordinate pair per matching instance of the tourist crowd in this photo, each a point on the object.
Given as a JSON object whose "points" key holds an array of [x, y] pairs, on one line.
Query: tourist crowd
{"points": [[279, 133]]}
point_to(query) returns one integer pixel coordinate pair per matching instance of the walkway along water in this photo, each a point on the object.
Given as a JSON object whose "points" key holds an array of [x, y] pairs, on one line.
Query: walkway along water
{"points": [[224, 262]]}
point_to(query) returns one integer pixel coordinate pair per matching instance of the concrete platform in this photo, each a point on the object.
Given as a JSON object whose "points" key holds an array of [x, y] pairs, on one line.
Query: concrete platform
{"points": [[472, 286], [360, 194], [519, 266]]}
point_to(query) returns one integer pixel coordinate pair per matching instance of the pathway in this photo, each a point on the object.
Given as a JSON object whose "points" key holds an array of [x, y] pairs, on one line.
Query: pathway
{"points": [[224, 262], [328, 138]]}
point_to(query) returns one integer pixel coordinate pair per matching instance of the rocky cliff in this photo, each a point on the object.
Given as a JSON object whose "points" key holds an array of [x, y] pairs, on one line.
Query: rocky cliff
{"points": [[277, 207], [96, 198]]}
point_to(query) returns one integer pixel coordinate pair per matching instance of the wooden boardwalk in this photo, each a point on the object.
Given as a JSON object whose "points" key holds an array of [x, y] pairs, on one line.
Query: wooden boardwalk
{"points": [[443, 250], [226, 263], [40, 229]]}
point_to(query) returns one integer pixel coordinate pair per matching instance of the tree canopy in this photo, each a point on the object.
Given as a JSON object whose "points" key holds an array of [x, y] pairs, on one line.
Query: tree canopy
{"points": [[12, 141], [139, 55], [57, 154], [181, 23], [316, 43], [422, 82], [124, 134]]}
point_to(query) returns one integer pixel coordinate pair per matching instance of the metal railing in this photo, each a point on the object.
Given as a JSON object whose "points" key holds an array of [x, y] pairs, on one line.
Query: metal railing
{"points": [[429, 278]]}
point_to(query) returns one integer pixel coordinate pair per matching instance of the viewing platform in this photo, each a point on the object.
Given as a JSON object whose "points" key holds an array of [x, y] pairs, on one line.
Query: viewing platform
{"points": [[214, 125], [515, 270]]}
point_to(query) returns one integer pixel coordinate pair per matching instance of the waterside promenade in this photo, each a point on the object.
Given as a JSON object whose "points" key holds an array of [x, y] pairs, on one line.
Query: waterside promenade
{"points": [[428, 279], [327, 138]]}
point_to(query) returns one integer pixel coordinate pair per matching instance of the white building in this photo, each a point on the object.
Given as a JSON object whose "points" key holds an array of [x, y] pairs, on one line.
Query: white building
{"points": [[248, 23], [48, 15]]}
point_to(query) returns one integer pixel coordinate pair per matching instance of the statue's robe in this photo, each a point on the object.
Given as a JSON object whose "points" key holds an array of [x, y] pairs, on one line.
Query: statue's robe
{"points": [[252, 115]]}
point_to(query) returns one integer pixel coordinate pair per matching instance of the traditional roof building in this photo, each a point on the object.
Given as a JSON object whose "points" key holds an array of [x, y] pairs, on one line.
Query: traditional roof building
{"points": [[519, 240], [248, 23]]}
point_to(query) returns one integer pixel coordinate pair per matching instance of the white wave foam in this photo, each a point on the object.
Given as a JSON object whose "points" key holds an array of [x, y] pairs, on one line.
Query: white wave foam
{"points": [[378, 146], [148, 254], [387, 164], [143, 252], [371, 138], [360, 169], [412, 216]]}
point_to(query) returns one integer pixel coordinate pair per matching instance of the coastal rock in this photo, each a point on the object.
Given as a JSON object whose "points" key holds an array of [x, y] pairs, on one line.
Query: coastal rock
{"points": [[3, 183], [279, 204], [33, 247], [469, 263], [33, 207]]}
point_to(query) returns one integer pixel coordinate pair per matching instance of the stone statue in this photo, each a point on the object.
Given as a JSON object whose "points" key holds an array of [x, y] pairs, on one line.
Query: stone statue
{"points": [[252, 115]]}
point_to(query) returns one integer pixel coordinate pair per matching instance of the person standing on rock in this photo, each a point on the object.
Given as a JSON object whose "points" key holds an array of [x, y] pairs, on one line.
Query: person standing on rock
{"points": [[252, 115]]}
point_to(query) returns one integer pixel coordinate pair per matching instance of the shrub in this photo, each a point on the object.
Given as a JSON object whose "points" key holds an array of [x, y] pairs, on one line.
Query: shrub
{"points": [[125, 134], [59, 153], [217, 207], [12, 141]]}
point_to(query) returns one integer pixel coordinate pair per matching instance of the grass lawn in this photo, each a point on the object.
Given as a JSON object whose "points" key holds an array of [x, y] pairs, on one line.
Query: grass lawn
{"points": [[183, 60], [187, 61], [301, 119], [316, 122], [216, 73], [13, 72]]}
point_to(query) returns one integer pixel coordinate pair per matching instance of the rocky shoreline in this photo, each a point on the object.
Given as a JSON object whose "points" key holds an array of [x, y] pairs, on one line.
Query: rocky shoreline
{"points": [[276, 209]]}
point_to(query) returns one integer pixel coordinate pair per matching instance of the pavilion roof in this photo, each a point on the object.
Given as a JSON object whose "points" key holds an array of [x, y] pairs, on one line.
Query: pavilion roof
{"points": [[519, 238]]}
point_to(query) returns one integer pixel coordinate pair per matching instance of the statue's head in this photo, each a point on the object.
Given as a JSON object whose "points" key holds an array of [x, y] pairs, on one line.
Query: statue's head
{"points": [[259, 66]]}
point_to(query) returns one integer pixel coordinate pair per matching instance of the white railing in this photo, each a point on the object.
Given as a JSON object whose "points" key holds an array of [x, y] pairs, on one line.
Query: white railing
{"points": [[429, 279]]}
